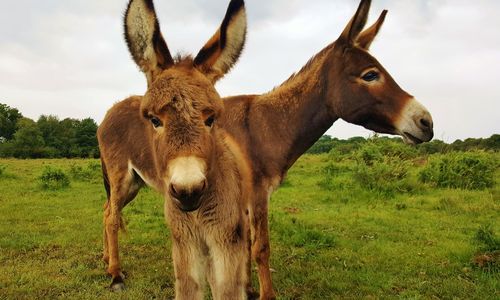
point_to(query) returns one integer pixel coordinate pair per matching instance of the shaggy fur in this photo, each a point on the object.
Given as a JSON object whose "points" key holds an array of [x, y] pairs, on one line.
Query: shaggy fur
{"points": [[141, 137], [274, 129]]}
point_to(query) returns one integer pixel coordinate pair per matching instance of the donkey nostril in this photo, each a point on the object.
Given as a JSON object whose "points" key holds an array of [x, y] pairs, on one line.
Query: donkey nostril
{"points": [[425, 123], [173, 191], [204, 185]]}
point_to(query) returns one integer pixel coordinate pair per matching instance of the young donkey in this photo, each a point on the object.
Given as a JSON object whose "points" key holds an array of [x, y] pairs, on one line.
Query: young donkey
{"points": [[169, 140]]}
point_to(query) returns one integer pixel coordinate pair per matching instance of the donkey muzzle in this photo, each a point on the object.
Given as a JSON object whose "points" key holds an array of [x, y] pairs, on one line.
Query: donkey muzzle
{"points": [[187, 199], [415, 124], [187, 181]]}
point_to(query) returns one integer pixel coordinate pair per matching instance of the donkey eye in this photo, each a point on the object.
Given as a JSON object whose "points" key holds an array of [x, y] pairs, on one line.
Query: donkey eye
{"points": [[370, 76], [156, 122], [209, 121]]}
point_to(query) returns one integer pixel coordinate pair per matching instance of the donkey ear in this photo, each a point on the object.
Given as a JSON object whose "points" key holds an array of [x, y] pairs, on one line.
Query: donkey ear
{"points": [[223, 49], [144, 39], [366, 37], [357, 23]]}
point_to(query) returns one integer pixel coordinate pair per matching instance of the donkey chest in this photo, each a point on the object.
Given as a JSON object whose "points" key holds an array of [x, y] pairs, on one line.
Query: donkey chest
{"points": [[204, 225]]}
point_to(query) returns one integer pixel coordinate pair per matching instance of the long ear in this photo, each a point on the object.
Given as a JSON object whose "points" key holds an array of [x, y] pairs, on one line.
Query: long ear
{"points": [[144, 39], [352, 30], [222, 51], [366, 37]]}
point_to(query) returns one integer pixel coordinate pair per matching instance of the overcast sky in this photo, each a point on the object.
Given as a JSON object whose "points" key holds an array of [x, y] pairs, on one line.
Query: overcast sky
{"points": [[68, 58]]}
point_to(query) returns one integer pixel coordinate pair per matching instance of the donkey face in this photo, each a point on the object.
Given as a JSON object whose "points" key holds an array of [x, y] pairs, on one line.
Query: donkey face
{"points": [[181, 103], [364, 92], [181, 107]]}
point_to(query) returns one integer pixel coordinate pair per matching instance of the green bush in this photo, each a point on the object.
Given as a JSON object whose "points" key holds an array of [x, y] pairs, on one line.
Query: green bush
{"points": [[332, 178], [487, 239], [465, 170], [383, 167], [53, 179], [386, 177], [488, 257], [90, 172]]}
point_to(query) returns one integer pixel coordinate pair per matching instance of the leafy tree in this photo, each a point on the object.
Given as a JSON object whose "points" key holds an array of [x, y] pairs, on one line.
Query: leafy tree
{"points": [[86, 138], [8, 120], [68, 137], [434, 146], [52, 135], [492, 143], [28, 140], [323, 145]]}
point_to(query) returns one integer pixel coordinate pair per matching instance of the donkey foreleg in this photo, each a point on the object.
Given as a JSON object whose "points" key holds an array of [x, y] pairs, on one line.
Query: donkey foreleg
{"points": [[189, 271], [261, 250], [227, 274]]}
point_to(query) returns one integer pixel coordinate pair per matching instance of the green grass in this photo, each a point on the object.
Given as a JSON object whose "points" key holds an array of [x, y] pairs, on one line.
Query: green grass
{"points": [[331, 238]]}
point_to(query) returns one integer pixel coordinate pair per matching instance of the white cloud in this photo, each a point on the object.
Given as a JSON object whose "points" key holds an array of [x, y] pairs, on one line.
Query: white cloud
{"points": [[68, 57]]}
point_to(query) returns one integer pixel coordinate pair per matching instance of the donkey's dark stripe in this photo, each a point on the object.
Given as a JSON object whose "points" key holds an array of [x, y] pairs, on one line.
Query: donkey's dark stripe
{"points": [[160, 46], [150, 5], [232, 10], [360, 18], [234, 7], [205, 53], [165, 60], [105, 179]]}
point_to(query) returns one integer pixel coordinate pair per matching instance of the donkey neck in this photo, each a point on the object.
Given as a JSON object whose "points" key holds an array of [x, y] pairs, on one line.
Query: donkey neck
{"points": [[294, 115]]}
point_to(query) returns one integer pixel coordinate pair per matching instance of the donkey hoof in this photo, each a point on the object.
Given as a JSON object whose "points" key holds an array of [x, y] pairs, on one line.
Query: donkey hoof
{"points": [[117, 285], [252, 295]]}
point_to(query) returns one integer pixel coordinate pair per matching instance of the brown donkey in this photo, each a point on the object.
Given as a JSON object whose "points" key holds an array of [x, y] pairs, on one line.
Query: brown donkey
{"points": [[168, 140], [341, 81], [274, 129]]}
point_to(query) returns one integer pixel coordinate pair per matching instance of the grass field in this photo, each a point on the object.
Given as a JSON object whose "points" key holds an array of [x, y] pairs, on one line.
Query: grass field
{"points": [[331, 238]]}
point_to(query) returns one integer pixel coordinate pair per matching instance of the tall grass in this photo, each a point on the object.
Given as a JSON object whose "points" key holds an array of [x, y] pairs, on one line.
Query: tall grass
{"points": [[466, 170], [2, 170]]}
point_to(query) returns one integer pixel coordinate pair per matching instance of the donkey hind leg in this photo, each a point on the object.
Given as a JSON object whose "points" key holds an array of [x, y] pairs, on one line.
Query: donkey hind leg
{"points": [[251, 293], [189, 271], [261, 250], [105, 252], [120, 195]]}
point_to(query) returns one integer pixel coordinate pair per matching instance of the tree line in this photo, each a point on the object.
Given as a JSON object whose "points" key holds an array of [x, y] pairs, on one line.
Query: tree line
{"points": [[48, 137], [326, 143]]}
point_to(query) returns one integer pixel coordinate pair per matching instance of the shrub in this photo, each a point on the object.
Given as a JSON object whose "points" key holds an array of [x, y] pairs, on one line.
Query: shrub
{"points": [[88, 173], [466, 170], [488, 257], [332, 177], [382, 167], [323, 145], [53, 179], [386, 177], [487, 238]]}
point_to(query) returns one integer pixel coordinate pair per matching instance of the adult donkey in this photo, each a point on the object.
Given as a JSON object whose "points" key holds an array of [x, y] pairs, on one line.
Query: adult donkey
{"points": [[157, 139], [341, 81]]}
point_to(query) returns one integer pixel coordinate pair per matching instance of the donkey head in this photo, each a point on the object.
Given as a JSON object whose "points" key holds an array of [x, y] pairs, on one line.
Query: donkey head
{"points": [[364, 93], [181, 103]]}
